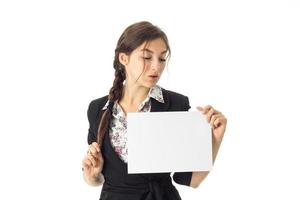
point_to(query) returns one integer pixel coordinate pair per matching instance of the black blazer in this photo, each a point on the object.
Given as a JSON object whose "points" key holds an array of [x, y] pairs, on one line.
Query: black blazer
{"points": [[119, 185]]}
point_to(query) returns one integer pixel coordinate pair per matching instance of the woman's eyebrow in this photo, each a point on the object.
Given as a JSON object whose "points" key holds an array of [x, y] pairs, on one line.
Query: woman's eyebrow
{"points": [[148, 50]]}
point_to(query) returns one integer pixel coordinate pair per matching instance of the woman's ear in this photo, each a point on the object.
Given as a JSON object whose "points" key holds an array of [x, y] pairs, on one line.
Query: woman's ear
{"points": [[123, 59]]}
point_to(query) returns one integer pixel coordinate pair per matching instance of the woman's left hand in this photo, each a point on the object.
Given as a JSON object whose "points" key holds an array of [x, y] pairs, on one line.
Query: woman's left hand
{"points": [[217, 121]]}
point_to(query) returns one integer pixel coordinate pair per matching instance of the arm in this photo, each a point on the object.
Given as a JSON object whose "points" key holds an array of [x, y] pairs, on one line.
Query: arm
{"points": [[92, 163], [218, 123], [198, 177]]}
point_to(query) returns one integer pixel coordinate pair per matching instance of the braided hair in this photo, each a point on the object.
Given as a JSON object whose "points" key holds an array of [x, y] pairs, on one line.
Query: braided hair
{"points": [[132, 37]]}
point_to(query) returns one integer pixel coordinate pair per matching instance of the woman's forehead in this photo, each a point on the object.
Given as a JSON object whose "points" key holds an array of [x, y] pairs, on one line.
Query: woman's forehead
{"points": [[153, 46]]}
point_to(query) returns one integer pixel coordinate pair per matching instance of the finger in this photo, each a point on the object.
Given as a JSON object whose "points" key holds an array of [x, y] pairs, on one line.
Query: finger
{"points": [[206, 109], [84, 164], [200, 108], [101, 160], [88, 162], [96, 145], [93, 160], [221, 121], [100, 157], [209, 114], [216, 123], [94, 155], [93, 150], [214, 118]]}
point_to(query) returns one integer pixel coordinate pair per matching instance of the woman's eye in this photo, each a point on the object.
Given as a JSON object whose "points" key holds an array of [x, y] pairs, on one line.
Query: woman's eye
{"points": [[161, 59]]}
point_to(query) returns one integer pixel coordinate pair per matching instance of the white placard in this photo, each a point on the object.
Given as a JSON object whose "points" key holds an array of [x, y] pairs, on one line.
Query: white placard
{"points": [[168, 142]]}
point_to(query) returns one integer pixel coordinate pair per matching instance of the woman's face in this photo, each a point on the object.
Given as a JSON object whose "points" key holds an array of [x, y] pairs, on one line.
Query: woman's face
{"points": [[153, 56]]}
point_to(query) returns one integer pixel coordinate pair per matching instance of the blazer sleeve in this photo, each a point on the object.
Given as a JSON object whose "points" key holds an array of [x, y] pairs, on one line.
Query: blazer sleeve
{"points": [[184, 178], [91, 118], [186, 104]]}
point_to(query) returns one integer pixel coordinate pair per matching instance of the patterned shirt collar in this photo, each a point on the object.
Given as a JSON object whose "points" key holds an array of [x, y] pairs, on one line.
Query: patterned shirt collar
{"points": [[155, 92]]}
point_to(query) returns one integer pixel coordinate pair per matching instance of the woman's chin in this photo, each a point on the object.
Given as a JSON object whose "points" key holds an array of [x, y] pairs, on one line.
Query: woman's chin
{"points": [[150, 84]]}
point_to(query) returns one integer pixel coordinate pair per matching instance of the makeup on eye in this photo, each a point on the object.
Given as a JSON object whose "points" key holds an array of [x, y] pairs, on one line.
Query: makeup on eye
{"points": [[148, 58]]}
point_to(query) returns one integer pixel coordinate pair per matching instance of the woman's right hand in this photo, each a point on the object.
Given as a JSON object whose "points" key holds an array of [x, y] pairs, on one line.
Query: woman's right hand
{"points": [[92, 163]]}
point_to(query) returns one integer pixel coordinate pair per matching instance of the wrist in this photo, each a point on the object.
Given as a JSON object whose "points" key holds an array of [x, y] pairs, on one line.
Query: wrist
{"points": [[94, 180], [99, 178], [215, 149]]}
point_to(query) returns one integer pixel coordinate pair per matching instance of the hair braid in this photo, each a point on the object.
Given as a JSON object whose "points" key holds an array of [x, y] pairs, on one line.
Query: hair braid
{"points": [[115, 94]]}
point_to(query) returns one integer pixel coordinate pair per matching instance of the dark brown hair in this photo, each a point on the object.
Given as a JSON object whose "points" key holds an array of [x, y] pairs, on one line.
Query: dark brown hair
{"points": [[132, 37]]}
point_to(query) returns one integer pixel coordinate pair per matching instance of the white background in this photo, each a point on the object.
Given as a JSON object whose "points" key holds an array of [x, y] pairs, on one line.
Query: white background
{"points": [[239, 56]]}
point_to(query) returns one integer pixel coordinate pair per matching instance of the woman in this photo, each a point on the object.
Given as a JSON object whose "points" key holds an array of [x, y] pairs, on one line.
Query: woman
{"points": [[140, 59]]}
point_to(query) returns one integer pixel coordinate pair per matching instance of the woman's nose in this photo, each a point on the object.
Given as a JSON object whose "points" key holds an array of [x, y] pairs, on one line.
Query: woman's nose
{"points": [[156, 65]]}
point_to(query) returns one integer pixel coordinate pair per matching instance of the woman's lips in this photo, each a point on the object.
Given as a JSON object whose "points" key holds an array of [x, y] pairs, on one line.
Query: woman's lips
{"points": [[153, 77]]}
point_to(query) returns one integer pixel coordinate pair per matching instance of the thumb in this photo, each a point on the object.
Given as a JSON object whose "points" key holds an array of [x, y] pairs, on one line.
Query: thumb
{"points": [[200, 108]]}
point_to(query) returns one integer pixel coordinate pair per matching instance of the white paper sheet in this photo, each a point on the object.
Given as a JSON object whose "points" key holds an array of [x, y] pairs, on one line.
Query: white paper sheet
{"points": [[168, 142]]}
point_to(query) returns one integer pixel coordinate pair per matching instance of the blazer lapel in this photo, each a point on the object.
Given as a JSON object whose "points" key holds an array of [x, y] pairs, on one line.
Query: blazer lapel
{"points": [[157, 106]]}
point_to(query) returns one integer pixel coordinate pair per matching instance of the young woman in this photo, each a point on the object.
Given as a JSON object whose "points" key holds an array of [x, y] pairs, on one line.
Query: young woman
{"points": [[140, 58]]}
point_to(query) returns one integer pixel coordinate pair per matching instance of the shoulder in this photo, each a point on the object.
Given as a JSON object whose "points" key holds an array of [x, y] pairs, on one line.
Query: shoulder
{"points": [[176, 98], [174, 95], [99, 102], [95, 106]]}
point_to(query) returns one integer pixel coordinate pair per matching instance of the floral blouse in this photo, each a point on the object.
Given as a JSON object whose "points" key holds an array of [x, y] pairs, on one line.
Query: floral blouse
{"points": [[118, 124]]}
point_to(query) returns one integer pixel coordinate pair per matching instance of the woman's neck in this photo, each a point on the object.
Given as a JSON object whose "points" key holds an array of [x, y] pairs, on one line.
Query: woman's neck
{"points": [[133, 95]]}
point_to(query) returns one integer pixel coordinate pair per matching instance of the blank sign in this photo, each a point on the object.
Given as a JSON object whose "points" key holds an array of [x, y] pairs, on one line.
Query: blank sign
{"points": [[168, 142]]}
